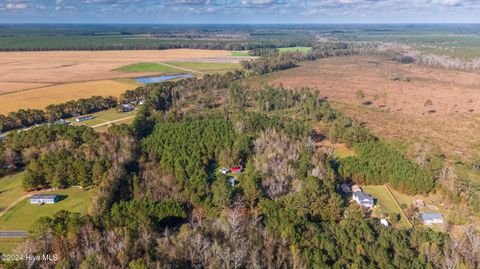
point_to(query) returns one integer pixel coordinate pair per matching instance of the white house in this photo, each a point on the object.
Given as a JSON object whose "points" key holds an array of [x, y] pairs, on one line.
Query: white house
{"points": [[224, 171], [39, 199], [384, 222], [363, 199], [431, 218]]}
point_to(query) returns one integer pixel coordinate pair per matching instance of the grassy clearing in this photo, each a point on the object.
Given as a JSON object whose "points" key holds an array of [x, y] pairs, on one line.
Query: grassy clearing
{"points": [[10, 189], [148, 67], [239, 53], [385, 204], [207, 67], [7, 245], [24, 214], [105, 116], [129, 81], [104, 128], [291, 49]]}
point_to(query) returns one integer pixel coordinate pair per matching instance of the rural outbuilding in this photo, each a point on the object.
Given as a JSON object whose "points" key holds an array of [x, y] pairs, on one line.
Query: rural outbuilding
{"points": [[39, 199], [363, 199], [431, 218]]}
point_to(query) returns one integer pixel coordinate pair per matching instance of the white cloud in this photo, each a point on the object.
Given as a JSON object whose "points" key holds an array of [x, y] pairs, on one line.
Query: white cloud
{"points": [[16, 6]]}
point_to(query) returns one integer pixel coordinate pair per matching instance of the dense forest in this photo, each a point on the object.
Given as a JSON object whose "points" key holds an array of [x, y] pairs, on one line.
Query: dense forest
{"points": [[161, 202]]}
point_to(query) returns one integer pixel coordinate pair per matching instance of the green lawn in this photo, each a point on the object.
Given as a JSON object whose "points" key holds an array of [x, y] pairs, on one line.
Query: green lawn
{"points": [[149, 67], [207, 67], [384, 204], [24, 214], [7, 245], [10, 189], [239, 53], [290, 49], [105, 116]]}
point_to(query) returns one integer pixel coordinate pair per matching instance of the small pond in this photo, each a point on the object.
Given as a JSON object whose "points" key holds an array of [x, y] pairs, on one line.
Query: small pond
{"points": [[156, 79]]}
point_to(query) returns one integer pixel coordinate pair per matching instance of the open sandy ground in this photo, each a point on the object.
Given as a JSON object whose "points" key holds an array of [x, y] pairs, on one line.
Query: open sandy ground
{"points": [[27, 70], [396, 109]]}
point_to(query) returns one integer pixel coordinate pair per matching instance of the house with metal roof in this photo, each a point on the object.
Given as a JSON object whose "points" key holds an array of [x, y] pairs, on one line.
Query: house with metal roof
{"points": [[40, 199], [431, 218], [363, 199]]}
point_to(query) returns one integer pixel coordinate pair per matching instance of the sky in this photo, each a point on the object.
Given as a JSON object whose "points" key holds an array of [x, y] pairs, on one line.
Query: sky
{"points": [[239, 11]]}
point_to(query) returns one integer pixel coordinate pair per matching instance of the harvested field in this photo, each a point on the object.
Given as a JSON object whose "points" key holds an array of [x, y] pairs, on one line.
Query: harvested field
{"points": [[42, 97], [54, 67], [395, 103]]}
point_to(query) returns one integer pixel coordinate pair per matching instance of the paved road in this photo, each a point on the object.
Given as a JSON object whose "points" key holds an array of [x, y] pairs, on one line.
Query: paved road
{"points": [[13, 234]]}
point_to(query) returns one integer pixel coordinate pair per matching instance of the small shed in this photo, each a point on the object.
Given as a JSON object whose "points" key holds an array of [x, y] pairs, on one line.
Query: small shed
{"points": [[419, 203], [40, 199], [224, 171], [384, 222], [356, 188], [431, 218], [82, 119], [237, 169]]}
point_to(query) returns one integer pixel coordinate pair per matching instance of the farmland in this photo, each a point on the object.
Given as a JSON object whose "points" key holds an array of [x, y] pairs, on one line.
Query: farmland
{"points": [[37, 79], [42, 97]]}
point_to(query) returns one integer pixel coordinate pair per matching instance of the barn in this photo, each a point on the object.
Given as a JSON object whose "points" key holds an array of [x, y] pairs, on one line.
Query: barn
{"points": [[40, 199]]}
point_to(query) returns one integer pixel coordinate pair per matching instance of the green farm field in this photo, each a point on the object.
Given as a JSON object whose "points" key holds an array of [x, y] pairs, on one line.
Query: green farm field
{"points": [[206, 67], [239, 53], [292, 49], [148, 67]]}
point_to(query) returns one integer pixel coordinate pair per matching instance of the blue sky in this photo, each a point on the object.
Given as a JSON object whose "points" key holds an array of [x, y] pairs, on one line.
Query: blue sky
{"points": [[240, 11]]}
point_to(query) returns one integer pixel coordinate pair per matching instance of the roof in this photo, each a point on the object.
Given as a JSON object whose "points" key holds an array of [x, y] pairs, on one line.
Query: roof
{"points": [[363, 196], [431, 216], [43, 196]]}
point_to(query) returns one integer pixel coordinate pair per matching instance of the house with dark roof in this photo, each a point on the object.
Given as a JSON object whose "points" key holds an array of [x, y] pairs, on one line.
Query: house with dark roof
{"points": [[40, 199], [363, 199], [431, 218]]}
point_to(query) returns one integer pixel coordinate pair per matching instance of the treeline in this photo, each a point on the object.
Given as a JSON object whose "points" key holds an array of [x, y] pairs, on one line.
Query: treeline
{"points": [[274, 60], [92, 43], [28, 117]]}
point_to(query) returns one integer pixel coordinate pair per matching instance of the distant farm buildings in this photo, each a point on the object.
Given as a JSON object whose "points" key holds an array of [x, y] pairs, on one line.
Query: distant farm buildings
{"points": [[126, 108], [82, 119], [431, 218], [363, 199], [40, 199]]}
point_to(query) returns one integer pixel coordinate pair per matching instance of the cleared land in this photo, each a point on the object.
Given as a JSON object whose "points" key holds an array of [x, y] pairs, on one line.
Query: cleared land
{"points": [[24, 214], [397, 109], [73, 66], [148, 67], [10, 190], [243, 53], [207, 67], [42, 97]]}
